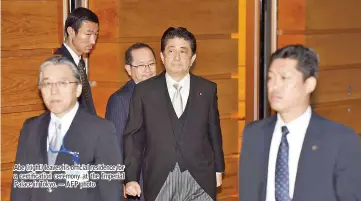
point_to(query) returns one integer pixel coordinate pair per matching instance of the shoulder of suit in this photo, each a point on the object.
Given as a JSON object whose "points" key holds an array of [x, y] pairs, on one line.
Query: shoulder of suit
{"points": [[149, 83], [123, 92], [35, 119], [93, 120], [204, 84], [203, 80], [59, 51], [332, 128], [262, 122]]}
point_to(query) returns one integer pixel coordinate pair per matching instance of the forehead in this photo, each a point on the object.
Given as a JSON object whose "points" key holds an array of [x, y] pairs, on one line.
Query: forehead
{"points": [[57, 71], [178, 42], [89, 26], [142, 54], [283, 65]]}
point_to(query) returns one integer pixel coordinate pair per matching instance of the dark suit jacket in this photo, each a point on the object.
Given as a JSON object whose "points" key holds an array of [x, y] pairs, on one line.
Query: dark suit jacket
{"points": [[117, 111], [65, 53], [118, 108], [331, 172], [200, 145], [95, 140]]}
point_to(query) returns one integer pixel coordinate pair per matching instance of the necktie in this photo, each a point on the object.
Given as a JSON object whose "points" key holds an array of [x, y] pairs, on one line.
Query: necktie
{"points": [[282, 192], [85, 81], [177, 100], [54, 143]]}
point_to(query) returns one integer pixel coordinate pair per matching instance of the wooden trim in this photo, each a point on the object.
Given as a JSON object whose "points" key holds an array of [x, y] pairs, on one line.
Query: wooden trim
{"points": [[7, 166], [337, 103], [26, 52], [340, 67], [226, 197], [234, 155], [233, 116], [148, 39], [22, 108], [252, 66], [274, 23], [61, 19], [318, 31], [29, 0]]}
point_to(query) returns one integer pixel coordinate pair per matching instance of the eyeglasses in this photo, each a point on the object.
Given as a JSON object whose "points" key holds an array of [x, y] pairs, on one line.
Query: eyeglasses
{"points": [[143, 66], [60, 84]]}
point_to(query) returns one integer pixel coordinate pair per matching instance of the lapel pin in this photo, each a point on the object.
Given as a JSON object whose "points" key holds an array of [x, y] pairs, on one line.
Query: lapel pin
{"points": [[200, 93], [314, 147]]}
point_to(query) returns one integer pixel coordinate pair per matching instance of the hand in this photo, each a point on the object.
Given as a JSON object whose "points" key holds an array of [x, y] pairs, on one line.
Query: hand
{"points": [[124, 194], [93, 83], [132, 188], [219, 179]]}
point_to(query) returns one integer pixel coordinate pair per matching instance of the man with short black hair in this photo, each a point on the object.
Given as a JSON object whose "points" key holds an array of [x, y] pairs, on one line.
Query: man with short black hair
{"points": [[297, 154], [174, 119], [81, 32]]}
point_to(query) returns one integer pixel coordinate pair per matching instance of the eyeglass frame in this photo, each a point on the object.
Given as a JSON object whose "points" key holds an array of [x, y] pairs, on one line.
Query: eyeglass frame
{"points": [[142, 66], [60, 84]]}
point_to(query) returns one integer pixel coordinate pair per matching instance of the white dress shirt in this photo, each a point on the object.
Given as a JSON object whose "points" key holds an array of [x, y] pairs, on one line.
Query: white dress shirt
{"points": [[76, 58], [297, 131], [185, 83], [65, 121]]}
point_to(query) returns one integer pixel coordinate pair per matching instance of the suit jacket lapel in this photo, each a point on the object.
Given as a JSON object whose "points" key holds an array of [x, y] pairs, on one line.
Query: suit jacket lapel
{"points": [[71, 140], [268, 130], [191, 102], [43, 137], [308, 155], [165, 104]]}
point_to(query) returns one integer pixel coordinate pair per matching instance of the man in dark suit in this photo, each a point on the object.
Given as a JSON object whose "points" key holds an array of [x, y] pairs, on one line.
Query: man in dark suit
{"points": [[140, 65], [67, 134], [298, 155], [174, 117], [81, 32]]}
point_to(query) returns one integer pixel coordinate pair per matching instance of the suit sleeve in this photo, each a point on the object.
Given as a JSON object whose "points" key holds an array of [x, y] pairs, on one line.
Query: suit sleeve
{"points": [[348, 168], [116, 113], [107, 152], [247, 170], [20, 194], [215, 133], [134, 138]]}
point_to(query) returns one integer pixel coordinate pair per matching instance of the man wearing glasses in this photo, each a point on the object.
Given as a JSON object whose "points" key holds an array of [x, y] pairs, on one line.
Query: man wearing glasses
{"points": [[140, 65], [66, 134]]}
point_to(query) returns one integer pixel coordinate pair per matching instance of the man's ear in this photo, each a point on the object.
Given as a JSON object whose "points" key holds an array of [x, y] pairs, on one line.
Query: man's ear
{"points": [[193, 59], [162, 57], [78, 90], [128, 69], [70, 31], [311, 83]]}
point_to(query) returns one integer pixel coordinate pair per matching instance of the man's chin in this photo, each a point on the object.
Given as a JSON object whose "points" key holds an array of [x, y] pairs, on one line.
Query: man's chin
{"points": [[276, 107]]}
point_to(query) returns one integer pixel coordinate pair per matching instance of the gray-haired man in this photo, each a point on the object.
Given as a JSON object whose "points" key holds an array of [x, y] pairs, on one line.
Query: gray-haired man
{"points": [[66, 134]]}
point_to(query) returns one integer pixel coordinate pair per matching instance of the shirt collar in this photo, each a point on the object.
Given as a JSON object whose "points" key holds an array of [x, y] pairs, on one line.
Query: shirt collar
{"points": [[73, 54], [170, 81], [68, 117], [302, 120]]}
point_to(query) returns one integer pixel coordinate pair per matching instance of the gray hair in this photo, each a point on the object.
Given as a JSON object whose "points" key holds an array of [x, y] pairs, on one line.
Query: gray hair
{"points": [[60, 60]]}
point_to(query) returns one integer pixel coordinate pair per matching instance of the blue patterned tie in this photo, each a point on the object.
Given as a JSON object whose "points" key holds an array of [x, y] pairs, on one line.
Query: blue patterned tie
{"points": [[282, 174]]}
